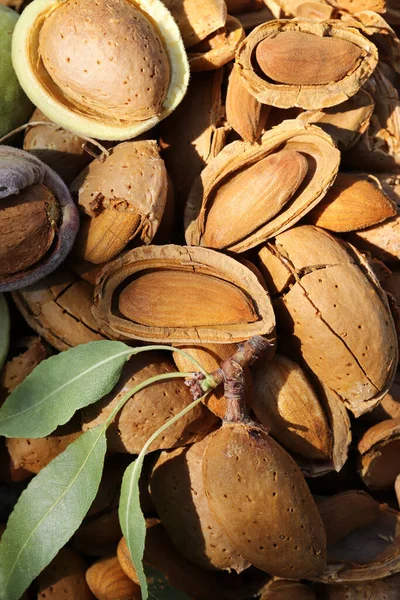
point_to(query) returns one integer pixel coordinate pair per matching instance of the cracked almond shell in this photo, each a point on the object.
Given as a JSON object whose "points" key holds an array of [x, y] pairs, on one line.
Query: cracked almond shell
{"points": [[197, 20], [379, 455], [331, 304], [121, 198], [300, 161], [182, 294], [114, 90], [360, 57], [380, 589], [59, 309]]}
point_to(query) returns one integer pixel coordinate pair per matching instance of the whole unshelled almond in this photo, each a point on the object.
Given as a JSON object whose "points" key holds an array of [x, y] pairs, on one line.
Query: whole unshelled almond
{"points": [[273, 181], [298, 58]]}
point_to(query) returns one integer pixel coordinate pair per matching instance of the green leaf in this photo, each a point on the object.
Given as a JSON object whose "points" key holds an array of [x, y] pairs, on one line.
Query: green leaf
{"points": [[4, 330], [61, 385], [49, 512], [131, 518], [159, 588]]}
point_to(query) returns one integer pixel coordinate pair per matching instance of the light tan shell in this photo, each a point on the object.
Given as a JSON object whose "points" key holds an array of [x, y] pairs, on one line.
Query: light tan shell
{"points": [[218, 49], [233, 159], [186, 150], [64, 578], [73, 114], [108, 581], [333, 307], [177, 480], [244, 113], [379, 455], [60, 149], [298, 8], [130, 183], [197, 20], [381, 34], [307, 96], [378, 149], [344, 122], [150, 408], [183, 259], [368, 553], [59, 309]]}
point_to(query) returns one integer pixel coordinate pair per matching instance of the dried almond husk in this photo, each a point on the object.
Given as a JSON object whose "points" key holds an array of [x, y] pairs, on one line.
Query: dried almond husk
{"points": [[59, 309], [282, 589], [107, 84], [122, 198], [355, 201], [371, 548], [289, 172], [381, 34], [210, 356], [244, 113], [186, 150], [197, 20], [301, 57], [331, 304], [379, 455], [378, 149], [161, 554], [182, 294], [61, 150], [143, 414], [108, 581], [177, 480], [344, 122], [33, 454], [381, 589], [64, 578], [261, 500], [217, 49], [356, 6]]}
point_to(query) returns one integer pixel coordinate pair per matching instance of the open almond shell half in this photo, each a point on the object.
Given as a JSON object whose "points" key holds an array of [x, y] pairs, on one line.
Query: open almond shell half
{"points": [[330, 305], [182, 294], [379, 455], [313, 95], [300, 164]]}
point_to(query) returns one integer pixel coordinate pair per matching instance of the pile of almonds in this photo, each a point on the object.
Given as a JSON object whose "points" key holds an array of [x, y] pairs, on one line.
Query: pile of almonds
{"points": [[260, 197]]}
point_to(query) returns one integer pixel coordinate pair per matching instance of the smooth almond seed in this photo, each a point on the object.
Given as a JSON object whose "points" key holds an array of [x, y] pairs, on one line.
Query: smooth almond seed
{"points": [[253, 197], [178, 299], [298, 58]]}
